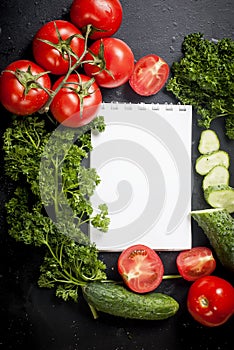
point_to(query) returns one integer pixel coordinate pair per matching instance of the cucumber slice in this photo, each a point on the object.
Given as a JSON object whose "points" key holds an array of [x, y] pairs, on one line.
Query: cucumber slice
{"points": [[219, 175], [221, 196], [209, 142], [206, 162]]}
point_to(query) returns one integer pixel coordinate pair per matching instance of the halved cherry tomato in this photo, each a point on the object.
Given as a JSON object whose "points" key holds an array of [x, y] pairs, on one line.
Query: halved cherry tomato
{"points": [[150, 75], [23, 86], [210, 300], [77, 102], [105, 16], [195, 263], [141, 268], [112, 62], [61, 38]]}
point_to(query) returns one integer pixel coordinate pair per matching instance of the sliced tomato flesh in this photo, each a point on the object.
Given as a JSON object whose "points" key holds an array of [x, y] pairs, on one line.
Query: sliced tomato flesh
{"points": [[149, 76], [195, 263], [141, 268]]}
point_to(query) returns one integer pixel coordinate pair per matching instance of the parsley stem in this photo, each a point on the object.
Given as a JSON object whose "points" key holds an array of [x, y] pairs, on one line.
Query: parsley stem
{"points": [[56, 175], [167, 277], [94, 311], [31, 140], [68, 276]]}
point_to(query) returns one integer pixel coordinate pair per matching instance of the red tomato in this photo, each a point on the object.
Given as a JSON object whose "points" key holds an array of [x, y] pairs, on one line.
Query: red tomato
{"points": [[149, 76], [77, 102], [21, 87], [211, 300], [111, 67], [54, 58], [105, 16], [195, 263], [141, 268]]}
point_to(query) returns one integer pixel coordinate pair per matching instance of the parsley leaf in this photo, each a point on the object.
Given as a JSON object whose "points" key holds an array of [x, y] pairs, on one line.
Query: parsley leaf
{"points": [[204, 78], [51, 202]]}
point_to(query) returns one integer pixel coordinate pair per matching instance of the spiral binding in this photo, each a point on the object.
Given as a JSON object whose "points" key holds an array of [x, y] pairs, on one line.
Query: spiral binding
{"points": [[114, 105]]}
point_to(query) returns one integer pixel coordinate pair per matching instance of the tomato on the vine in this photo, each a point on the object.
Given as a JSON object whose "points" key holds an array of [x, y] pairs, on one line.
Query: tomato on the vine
{"points": [[150, 75], [104, 16], [112, 62], [195, 263], [61, 39], [77, 102], [141, 268], [23, 87], [210, 300]]}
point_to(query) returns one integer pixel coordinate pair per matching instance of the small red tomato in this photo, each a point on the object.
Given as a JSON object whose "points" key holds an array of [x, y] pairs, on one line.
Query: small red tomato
{"points": [[113, 62], [60, 38], [210, 300], [141, 268], [23, 86], [105, 16], [195, 263], [149, 76], [77, 102]]}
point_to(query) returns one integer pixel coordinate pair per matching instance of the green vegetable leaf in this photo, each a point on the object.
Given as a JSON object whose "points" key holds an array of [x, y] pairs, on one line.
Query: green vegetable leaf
{"points": [[204, 78], [51, 204]]}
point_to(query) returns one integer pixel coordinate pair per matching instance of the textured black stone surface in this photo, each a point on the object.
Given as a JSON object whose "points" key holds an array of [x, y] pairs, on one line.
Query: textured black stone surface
{"points": [[33, 318]]}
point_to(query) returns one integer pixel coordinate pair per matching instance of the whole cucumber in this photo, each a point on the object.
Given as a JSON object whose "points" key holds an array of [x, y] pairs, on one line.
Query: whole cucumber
{"points": [[116, 300], [218, 226]]}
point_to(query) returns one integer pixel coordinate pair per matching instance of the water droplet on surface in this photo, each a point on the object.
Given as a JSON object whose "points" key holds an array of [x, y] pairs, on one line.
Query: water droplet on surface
{"points": [[172, 49], [173, 39], [175, 24]]}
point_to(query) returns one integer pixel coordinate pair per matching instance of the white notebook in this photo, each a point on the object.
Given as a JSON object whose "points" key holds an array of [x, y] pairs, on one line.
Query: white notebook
{"points": [[144, 161]]}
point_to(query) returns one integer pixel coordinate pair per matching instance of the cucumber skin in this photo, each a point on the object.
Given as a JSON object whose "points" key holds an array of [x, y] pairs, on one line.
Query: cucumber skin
{"points": [[216, 189], [210, 174], [218, 226], [116, 300]]}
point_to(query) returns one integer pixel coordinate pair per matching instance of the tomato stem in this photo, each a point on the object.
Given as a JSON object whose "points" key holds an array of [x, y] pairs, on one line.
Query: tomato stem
{"points": [[46, 107]]}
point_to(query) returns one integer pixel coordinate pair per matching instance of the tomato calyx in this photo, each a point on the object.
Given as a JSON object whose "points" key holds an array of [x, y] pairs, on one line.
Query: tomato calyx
{"points": [[81, 90], [93, 30], [99, 60], [28, 80], [72, 68], [64, 46]]}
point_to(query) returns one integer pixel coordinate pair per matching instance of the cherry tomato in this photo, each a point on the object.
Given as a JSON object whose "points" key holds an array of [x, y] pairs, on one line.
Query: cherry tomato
{"points": [[21, 87], [149, 76], [113, 62], [141, 268], [195, 263], [77, 102], [210, 300], [105, 16], [52, 55]]}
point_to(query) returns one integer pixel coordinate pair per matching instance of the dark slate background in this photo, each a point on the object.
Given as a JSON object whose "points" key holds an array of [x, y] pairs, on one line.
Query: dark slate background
{"points": [[34, 318]]}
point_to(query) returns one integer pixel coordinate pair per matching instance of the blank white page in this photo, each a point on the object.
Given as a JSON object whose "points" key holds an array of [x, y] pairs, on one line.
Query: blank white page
{"points": [[144, 161]]}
